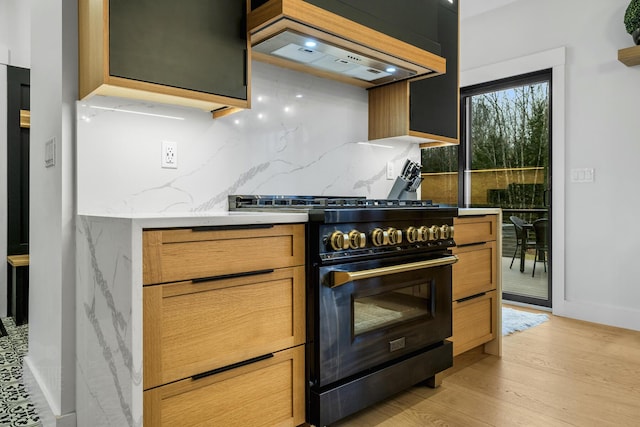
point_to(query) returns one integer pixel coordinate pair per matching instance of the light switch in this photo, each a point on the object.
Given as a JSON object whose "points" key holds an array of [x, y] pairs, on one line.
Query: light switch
{"points": [[582, 175], [50, 153]]}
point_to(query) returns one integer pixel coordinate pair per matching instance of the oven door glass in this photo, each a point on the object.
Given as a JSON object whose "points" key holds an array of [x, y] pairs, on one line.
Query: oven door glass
{"points": [[389, 308]]}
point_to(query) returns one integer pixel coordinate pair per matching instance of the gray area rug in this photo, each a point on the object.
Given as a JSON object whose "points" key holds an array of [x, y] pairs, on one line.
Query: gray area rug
{"points": [[518, 320]]}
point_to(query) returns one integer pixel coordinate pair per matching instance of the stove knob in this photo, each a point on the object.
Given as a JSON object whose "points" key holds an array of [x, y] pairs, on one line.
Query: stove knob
{"points": [[451, 231], [434, 233], [423, 234], [379, 237], [395, 236], [339, 241], [412, 234], [357, 240], [444, 231]]}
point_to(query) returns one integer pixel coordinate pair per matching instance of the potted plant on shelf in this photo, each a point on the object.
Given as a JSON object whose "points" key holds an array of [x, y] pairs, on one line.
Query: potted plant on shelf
{"points": [[632, 20]]}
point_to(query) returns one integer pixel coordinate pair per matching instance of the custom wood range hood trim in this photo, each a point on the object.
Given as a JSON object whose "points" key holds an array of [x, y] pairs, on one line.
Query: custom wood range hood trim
{"points": [[277, 16], [389, 116]]}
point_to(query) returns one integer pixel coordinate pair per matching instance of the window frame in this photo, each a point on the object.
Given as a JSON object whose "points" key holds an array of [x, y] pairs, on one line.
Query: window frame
{"points": [[465, 147]]}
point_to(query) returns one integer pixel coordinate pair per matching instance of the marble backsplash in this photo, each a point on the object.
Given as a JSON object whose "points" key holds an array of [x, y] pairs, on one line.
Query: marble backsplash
{"points": [[302, 135]]}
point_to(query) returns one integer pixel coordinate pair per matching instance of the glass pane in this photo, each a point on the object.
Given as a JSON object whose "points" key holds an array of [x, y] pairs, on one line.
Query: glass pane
{"points": [[379, 311], [440, 173], [509, 141]]}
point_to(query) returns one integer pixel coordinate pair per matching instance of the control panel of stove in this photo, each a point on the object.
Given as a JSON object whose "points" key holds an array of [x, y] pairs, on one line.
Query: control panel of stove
{"points": [[389, 237]]}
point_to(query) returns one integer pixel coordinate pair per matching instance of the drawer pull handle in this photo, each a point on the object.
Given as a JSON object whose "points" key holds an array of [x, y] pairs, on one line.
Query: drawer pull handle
{"points": [[471, 297], [232, 227], [231, 276], [466, 245], [232, 366]]}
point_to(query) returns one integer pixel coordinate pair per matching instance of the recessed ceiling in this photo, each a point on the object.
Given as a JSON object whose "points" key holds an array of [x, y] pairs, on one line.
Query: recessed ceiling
{"points": [[471, 8]]}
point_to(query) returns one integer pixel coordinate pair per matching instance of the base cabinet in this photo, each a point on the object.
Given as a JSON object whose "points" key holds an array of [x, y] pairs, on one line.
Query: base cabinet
{"points": [[475, 282], [224, 326], [266, 393], [474, 322]]}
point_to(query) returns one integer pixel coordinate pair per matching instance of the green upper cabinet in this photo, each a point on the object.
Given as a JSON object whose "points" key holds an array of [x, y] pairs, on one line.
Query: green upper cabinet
{"points": [[191, 53], [435, 102], [425, 111]]}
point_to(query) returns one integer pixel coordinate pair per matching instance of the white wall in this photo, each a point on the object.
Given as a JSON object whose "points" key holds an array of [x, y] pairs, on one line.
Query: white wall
{"points": [[50, 362], [15, 33], [599, 281], [283, 145]]}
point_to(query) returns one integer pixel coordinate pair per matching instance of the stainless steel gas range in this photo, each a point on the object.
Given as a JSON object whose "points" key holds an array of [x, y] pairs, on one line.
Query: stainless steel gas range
{"points": [[378, 297]]}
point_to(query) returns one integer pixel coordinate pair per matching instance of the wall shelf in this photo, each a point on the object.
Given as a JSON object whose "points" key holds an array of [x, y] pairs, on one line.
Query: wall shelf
{"points": [[629, 56]]}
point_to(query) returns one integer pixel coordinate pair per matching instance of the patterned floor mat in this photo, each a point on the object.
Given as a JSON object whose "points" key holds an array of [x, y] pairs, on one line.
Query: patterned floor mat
{"points": [[16, 408]]}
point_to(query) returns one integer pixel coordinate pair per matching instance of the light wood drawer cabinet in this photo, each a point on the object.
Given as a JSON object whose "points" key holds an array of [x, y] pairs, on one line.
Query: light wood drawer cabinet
{"points": [[184, 254], [269, 393], [224, 326], [474, 281], [190, 328], [474, 322], [475, 229], [475, 271]]}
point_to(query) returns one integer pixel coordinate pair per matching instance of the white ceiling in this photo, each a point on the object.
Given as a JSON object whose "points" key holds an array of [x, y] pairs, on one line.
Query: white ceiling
{"points": [[469, 8]]}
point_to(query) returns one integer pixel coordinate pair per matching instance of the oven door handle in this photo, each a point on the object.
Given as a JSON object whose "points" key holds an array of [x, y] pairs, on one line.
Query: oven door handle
{"points": [[342, 277]]}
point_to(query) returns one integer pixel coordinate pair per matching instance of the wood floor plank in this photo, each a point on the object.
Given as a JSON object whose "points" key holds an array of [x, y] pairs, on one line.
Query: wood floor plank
{"points": [[561, 373]]}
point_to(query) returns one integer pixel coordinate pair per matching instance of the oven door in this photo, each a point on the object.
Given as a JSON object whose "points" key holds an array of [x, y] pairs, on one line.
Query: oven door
{"points": [[373, 312]]}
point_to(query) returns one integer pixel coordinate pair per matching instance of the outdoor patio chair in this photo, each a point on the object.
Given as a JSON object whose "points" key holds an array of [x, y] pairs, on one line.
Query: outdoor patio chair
{"points": [[540, 226], [522, 239]]}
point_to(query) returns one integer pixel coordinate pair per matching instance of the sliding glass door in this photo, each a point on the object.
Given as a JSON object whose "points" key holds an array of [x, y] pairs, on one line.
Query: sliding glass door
{"points": [[504, 161]]}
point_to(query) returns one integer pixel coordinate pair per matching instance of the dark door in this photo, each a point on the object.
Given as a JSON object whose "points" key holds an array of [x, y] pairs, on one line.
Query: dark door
{"points": [[507, 144], [17, 161]]}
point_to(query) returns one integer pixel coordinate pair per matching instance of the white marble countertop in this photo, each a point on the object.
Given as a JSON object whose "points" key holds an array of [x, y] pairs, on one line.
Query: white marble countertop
{"points": [[222, 218], [199, 219], [478, 211]]}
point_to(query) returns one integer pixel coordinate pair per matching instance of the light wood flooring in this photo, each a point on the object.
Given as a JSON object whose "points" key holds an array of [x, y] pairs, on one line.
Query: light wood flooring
{"points": [[561, 373]]}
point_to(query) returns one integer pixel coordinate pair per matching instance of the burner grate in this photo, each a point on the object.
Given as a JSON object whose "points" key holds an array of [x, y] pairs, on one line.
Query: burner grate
{"points": [[328, 202]]}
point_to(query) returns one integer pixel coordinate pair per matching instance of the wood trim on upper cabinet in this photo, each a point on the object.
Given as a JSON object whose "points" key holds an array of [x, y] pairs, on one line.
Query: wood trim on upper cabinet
{"points": [[389, 110], [95, 79]]}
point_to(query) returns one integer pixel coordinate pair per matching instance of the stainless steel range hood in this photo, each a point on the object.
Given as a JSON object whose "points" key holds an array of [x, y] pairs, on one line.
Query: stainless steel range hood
{"points": [[299, 35]]}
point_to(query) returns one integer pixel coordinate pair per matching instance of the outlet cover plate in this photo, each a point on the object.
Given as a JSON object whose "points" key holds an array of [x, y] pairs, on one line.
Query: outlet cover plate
{"points": [[169, 155]]}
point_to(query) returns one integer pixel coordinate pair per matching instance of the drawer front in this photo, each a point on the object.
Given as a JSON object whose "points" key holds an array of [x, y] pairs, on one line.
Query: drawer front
{"points": [[475, 229], [266, 393], [475, 272], [474, 322], [191, 328], [184, 254]]}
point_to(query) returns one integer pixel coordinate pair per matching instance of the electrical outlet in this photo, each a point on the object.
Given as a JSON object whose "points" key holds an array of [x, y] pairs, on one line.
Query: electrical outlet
{"points": [[169, 155], [390, 172]]}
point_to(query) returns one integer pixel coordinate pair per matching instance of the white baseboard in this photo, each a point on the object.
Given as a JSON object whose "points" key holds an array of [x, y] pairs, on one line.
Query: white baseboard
{"points": [[49, 416], [619, 317]]}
